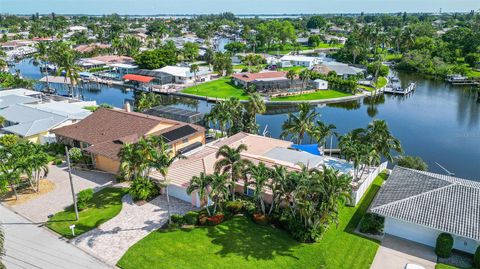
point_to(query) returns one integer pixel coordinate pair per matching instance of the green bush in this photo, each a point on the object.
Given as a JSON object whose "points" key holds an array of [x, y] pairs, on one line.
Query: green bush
{"points": [[75, 154], [57, 161], [234, 207], [249, 207], [303, 234], [143, 189], [176, 218], [444, 245], [191, 218], [84, 198], [476, 258], [372, 224]]}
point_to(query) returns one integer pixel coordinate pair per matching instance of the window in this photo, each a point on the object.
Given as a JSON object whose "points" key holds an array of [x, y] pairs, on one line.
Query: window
{"points": [[249, 192], [185, 140]]}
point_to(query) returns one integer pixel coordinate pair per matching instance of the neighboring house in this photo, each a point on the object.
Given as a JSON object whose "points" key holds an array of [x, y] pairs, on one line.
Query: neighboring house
{"points": [[259, 149], [182, 74], [13, 99], [106, 131], [91, 47], [246, 78], [298, 60], [418, 206], [22, 92], [342, 70], [175, 113], [335, 39]]}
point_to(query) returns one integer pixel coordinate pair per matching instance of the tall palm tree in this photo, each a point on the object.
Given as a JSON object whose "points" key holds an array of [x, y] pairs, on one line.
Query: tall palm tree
{"points": [[231, 163], [320, 131], [291, 74], [194, 68], [298, 125], [219, 189], [260, 175], [43, 56], [256, 105], [67, 65], [382, 140], [305, 76], [279, 178], [201, 185]]}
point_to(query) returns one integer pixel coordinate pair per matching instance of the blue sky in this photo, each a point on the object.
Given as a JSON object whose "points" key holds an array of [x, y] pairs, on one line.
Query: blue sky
{"points": [[148, 7]]}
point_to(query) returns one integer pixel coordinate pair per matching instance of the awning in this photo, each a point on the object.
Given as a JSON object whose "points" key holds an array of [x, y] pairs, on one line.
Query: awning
{"points": [[139, 78], [311, 148]]}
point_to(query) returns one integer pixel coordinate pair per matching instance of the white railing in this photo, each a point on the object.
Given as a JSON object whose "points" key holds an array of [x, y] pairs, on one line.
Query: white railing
{"points": [[363, 187]]}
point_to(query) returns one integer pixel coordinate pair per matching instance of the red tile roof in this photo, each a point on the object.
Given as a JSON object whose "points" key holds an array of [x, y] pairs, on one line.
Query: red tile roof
{"points": [[248, 77], [139, 78]]}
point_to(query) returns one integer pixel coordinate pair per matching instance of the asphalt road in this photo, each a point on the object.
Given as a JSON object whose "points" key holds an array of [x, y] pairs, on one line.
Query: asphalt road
{"points": [[30, 246]]}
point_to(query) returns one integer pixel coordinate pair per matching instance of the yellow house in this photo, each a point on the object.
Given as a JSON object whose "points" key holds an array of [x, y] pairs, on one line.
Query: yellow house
{"points": [[106, 131]]}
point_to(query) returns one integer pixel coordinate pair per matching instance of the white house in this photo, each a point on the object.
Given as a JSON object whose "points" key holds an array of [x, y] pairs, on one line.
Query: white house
{"points": [[418, 206], [320, 84], [299, 60], [182, 74]]}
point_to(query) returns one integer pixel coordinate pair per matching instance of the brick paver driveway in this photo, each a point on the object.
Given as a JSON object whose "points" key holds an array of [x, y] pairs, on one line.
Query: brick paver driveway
{"points": [[37, 210], [113, 238]]}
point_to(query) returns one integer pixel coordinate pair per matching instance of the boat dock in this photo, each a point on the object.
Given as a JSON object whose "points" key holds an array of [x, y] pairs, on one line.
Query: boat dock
{"points": [[462, 80], [397, 89]]}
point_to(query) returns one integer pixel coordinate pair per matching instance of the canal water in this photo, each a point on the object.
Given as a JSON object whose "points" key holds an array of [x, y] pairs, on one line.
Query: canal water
{"points": [[438, 122]]}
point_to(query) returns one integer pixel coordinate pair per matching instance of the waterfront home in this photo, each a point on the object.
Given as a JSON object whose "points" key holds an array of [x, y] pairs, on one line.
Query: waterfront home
{"points": [[268, 150], [103, 134], [91, 47], [22, 92], [299, 60], [246, 78], [342, 70], [419, 205], [13, 99], [182, 74], [35, 121], [335, 39], [175, 113]]}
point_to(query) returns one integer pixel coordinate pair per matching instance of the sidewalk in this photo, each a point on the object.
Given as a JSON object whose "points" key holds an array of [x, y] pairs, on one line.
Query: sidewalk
{"points": [[28, 246]]}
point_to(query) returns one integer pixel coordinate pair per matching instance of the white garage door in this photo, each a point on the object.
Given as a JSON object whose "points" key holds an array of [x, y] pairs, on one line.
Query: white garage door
{"points": [[179, 193], [425, 235]]}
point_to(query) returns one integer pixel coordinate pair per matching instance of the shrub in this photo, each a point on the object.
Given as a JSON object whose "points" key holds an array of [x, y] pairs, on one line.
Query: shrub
{"points": [[202, 219], [215, 220], [9, 140], [143, 189], [57, 161], [84, 198], [234, 207], [444, 245], [372, 224], [476, 258], [191, 218], [75, 154], [176, 218], [303, 234], [249, 207]]}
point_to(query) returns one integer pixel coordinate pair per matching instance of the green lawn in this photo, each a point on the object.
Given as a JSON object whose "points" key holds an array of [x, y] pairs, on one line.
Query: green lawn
{"points": [[382, 81], [239, 243], [445, 266], [297, 69], [221, 88], [318, 95], [106, 204]]}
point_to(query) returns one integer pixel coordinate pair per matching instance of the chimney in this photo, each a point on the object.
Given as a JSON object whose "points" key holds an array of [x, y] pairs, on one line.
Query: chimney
{"points": [[127, 106]]}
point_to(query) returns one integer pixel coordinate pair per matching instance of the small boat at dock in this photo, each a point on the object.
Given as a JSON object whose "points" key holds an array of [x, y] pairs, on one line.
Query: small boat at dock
{"points": [[396, 88]]}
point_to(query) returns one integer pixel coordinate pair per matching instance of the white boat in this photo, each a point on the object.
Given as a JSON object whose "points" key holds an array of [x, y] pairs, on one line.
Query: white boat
{"points": [[456, 78]]}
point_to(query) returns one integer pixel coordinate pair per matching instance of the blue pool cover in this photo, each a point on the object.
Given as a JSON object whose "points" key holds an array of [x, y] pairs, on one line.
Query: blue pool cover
{"points": [[310, 148]]}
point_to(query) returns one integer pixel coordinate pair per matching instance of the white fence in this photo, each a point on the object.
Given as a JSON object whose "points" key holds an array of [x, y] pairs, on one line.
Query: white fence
{"points": [[363, 188]]}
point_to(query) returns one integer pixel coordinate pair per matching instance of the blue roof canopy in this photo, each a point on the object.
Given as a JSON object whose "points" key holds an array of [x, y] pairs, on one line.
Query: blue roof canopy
{"points": [[310, 148]]}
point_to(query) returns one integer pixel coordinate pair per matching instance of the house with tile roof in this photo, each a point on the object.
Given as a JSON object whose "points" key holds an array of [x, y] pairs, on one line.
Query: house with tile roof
{"points": [[267, 150], [106, 131], [419, 205]]}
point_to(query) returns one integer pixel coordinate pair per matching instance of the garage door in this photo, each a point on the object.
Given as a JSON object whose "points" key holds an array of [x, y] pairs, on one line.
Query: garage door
{"points": [[411, 231], [179, 193]]}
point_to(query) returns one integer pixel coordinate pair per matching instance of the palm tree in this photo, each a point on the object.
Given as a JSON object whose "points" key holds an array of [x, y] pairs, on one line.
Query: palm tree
{"points": [[260, 175], [67, 65], [291, 76], [161, 159], [200, 184], [321, 131], [231, 163], [219, 190], [43, 57], [279, 176], [298, 125], [304, 76], [382, 140], [147, 100], [2, 121], [255, 106]]}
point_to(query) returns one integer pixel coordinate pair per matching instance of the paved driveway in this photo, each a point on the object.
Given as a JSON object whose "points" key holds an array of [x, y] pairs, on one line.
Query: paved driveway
{"points": [[28, 246], [113, 238], [395, 253], [37, 210]]}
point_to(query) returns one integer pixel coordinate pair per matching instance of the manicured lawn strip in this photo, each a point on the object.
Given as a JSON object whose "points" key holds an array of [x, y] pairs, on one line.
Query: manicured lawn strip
{"points": [[297, 69], [445, 266], [318, 95], [221, 88], [381, 81], [106, 204], [239, 243]]}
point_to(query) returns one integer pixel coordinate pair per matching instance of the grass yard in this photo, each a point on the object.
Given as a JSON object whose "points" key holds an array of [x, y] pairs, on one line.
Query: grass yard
{"points": [[445, 266], [220, 88], [239, 243], [318, 95], [297, 69], [106, 204], [382, 81]]}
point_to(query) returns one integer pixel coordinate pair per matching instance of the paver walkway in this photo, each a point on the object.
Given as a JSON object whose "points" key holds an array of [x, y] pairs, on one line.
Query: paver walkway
{"points": [[28, 246], [38, 209], [395, 253], [113, 238]]}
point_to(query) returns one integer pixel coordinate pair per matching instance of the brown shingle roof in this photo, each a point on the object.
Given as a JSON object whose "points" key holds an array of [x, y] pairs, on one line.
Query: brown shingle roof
{"points": [[248, 77], [107, 130]]}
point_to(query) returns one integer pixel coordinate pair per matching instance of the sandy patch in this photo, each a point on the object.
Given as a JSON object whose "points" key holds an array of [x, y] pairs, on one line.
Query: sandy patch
{"points": [[28, 194]]}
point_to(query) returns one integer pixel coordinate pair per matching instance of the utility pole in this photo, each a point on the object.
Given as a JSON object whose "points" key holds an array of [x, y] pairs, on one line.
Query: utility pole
{"points": [[71, 184]]}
